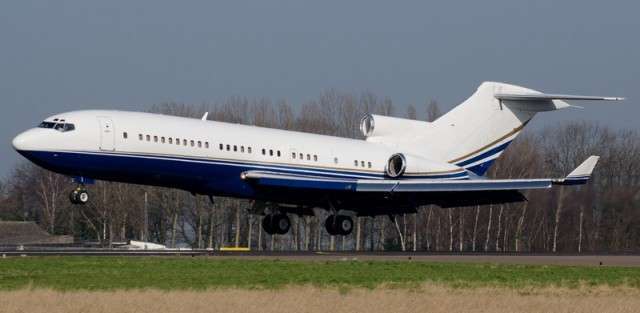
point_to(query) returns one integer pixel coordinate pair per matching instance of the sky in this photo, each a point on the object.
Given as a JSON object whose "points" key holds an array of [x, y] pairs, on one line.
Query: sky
{"points": [[58, 56]]}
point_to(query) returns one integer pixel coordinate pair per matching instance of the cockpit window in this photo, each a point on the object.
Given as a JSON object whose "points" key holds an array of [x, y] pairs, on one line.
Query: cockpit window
{"points": [[62, 127], [47, 125]]}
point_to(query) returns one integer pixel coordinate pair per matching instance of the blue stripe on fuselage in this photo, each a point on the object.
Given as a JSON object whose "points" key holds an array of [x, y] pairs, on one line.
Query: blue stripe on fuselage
{"points": [[198, 175]]}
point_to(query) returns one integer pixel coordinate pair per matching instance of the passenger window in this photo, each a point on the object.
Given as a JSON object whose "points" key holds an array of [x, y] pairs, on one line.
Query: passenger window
{"points": [[199, 144], [335, 160], [362, 163], [155, 138], [140, 136], [278, 153], [355, 162], [162, 139], [249, 149], [228, 147], [241, 148], [293, 155], [263, 152], [235, 148], [124, 135], [369, 164], [178, 141], [301, 156], [221, 147], [308, 157], [193, 143], [184, 142], [148, 138], [270, 152], [170, 140], [206, 144], [315, 158]]}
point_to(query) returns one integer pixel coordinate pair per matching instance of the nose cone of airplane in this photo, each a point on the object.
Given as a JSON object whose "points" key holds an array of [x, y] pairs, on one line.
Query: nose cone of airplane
{"points": [[24, 141]]}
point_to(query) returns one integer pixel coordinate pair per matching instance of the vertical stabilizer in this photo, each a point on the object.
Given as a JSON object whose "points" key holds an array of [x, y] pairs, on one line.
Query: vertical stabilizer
{"points": [[476, 132]]}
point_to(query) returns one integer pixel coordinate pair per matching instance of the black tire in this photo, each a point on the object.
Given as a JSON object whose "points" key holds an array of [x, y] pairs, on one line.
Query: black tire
{"points": [[82, 196], [344, 225], [73, 196], [281, 224], [330, 225], [267, 223]]}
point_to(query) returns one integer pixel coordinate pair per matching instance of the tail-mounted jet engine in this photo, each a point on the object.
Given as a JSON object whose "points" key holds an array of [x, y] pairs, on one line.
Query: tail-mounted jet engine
{"points": [[379, 126], [396, 165]]}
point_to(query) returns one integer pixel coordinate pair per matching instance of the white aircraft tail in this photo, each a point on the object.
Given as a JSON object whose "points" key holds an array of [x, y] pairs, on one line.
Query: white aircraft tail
{"points": [[473, 134], [476, 132]]}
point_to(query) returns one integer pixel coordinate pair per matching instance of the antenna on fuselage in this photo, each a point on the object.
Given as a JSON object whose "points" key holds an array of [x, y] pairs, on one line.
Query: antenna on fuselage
{"points": [[204, 117]]}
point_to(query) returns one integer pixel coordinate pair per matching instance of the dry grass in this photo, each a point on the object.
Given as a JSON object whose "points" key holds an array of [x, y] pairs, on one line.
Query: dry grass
{"points": [[429, 298]]}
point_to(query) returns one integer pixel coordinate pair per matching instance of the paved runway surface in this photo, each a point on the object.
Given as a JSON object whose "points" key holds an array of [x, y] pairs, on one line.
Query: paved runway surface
{"points": [[501, 258]]}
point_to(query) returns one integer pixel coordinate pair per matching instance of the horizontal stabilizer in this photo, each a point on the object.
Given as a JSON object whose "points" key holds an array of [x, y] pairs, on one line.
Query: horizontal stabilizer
{"points": [[546, 97], [581, 174]]}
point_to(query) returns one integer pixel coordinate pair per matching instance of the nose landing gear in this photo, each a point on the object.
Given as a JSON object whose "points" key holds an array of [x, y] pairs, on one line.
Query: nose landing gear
{"points": [[80, 195]]}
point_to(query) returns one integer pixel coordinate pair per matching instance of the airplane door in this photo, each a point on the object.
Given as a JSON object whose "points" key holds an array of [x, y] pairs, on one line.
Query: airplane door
{"points": [[107, 134]]}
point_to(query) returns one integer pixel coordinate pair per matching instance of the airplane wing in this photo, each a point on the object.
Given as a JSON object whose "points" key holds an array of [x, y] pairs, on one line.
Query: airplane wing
{"points": [[301, 182]]}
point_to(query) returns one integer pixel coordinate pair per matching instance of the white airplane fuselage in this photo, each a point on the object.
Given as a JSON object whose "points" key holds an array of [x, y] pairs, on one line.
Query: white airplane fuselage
{"points": [[201, 156]]}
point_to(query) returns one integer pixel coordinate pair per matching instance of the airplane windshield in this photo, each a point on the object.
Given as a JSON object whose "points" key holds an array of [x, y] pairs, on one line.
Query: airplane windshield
{"points": [[62, 127]]}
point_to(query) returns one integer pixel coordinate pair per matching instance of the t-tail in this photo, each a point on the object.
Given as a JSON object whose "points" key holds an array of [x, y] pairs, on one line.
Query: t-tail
{"points": [[475, 133]]}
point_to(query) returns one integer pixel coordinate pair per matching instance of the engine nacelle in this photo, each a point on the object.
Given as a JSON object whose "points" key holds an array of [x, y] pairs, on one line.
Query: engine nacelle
{"points": [[400, 164], [373, 125], [396, 165]]}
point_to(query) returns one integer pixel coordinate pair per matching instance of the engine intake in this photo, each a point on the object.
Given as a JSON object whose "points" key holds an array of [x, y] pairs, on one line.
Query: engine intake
{"points": [[396, 165]]}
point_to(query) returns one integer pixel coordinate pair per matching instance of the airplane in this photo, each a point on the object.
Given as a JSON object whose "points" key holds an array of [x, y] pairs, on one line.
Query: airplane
{"points": [[401, 165]]}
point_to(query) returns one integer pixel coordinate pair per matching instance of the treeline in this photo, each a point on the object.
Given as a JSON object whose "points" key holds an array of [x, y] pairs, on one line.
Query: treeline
{"points": [[601, 216]]}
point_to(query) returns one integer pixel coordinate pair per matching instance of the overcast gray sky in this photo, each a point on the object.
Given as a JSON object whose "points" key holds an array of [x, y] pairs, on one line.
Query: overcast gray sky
{"points": [[66, 55]]}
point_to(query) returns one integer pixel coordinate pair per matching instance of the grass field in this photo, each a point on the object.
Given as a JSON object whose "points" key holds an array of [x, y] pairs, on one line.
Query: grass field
{"points": [[184, 273], [194, 285]]}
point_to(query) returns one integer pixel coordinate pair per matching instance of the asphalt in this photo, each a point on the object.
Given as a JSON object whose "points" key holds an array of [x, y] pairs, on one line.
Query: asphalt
{"points": [[627, 260]]}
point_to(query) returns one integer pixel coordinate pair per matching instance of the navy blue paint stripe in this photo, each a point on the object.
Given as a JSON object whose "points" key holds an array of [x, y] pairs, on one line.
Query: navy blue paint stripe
{"points": [[288, 169], [482, 168], [489, 153]]}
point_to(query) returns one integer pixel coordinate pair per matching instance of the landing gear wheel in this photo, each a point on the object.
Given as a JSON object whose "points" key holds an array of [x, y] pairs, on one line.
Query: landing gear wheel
{"points": [[339, 225], [83, 197], [267, 222], [79, 196], [344, 225], [330, 225], [281, 224]]}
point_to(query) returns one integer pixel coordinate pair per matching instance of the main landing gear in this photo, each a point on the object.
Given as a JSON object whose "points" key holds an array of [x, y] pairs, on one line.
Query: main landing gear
{"points": [[80, 195], [278, 223], [339, 225]]}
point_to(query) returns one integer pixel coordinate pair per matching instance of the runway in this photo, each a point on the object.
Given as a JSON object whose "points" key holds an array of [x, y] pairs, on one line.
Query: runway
{"points": [[626, 260]]}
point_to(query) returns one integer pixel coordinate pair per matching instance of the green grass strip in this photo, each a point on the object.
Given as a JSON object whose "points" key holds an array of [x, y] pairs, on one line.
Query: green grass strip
{"points": [[168, 273]]}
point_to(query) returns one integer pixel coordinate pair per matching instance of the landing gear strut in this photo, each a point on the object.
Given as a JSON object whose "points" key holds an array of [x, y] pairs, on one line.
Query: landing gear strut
{"points": [[276, 224], [339, 225], [79, 195]]}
